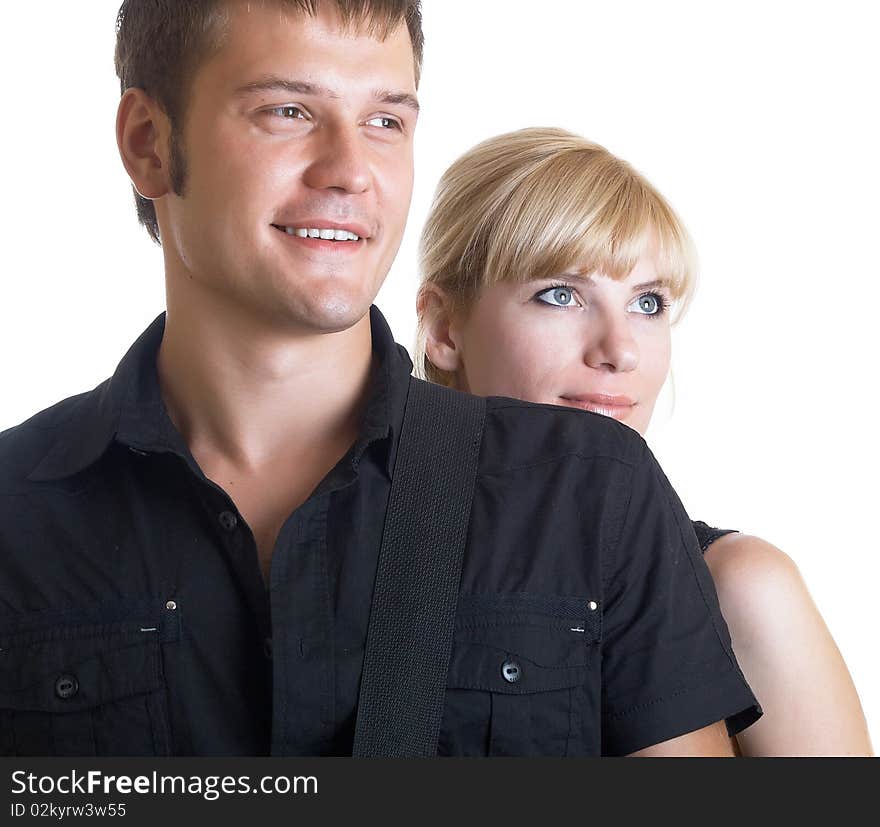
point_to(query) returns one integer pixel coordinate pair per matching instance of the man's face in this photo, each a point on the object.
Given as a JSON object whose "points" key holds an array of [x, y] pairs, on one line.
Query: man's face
{"points": [[295, 129]]}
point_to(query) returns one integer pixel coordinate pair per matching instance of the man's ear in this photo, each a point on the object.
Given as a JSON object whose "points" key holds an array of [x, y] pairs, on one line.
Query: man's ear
{"points": [[436, 318], [143, 136]]}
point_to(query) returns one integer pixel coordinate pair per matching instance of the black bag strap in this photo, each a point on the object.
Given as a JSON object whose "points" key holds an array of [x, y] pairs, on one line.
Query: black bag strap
{"points": [[409, 640]]}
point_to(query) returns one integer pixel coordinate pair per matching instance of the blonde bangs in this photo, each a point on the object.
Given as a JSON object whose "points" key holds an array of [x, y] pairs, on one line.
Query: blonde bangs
{"points": [[584, 212], [539, 203]]}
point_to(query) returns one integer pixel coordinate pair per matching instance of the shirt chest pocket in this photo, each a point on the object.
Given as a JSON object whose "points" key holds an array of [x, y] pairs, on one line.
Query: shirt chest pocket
{"points": [[85, 690], [523, 678]]}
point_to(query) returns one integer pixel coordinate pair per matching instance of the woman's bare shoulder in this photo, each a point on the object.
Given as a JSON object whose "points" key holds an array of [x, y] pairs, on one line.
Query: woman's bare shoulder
{"points": [[754, 573], [787, 654], [763, 597]]}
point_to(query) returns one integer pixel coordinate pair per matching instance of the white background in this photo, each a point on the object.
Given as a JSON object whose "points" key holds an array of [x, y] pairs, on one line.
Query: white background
{"points": [[756, 119]]}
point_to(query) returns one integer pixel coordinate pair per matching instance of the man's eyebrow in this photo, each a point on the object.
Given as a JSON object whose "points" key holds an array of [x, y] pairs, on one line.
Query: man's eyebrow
{"points": [[397, 99], [274, 83]]}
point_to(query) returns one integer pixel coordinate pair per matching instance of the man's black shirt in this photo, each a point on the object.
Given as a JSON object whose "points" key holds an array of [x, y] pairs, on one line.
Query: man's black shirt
{"points": [[134, 618]]}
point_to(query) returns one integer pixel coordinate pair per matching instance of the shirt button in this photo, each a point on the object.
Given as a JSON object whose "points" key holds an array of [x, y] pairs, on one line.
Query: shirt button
{"points": [[66, 687], [267, 648], [228, 520], [511, 671]]}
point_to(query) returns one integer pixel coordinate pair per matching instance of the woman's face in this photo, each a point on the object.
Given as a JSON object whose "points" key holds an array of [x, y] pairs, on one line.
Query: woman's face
{"points": [[583, 341]]}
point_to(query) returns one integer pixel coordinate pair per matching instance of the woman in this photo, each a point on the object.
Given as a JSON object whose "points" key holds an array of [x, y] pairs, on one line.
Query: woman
{"points": [[550, 269]]}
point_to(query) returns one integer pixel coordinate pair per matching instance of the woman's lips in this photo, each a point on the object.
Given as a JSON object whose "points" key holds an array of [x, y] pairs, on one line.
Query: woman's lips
{"points": [[617, 407]]}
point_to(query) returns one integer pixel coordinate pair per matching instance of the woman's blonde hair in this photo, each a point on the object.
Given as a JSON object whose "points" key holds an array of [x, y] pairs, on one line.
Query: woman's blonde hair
{"points": [[538, 203]]}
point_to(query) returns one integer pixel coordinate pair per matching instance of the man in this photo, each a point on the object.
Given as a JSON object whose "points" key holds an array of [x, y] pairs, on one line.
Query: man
{"points": [[189, 551]]}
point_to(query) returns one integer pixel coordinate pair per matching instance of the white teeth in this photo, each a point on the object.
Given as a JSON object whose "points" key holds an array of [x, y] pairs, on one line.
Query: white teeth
{"points": [[325, 235]]}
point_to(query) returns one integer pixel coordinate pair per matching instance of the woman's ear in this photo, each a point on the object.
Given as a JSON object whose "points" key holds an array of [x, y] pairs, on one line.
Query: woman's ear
{"points": [[142, 136], [436, 319]]}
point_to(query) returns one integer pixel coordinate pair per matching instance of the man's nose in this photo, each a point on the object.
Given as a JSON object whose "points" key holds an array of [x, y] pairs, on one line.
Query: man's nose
{"points": [[611, 346], [340, 161]]}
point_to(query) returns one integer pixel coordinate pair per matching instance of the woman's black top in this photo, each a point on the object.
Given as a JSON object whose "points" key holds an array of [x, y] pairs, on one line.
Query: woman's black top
{"points": [[706, 535]]}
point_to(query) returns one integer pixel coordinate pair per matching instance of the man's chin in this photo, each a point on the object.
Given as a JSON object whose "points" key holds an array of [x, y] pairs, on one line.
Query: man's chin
{"points": [[331, 315], [339, 322]]}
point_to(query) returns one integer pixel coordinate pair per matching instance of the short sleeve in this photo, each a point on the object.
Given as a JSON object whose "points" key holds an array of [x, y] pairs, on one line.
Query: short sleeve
{"points": [[667, 664]]}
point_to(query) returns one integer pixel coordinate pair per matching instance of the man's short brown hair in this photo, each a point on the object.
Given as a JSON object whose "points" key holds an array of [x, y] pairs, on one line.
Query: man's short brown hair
{"points": [[161, 43]]}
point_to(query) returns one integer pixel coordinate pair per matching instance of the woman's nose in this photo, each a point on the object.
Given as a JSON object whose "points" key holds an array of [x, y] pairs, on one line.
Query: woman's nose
{"points": [[611, 346]]}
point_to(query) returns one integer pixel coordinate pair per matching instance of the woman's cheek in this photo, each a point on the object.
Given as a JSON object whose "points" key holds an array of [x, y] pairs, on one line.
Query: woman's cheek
{"points": [[534, 362], [655, 362]]}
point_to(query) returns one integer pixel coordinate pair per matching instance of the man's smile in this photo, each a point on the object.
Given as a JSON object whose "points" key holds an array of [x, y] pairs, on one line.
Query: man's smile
{"points": [[325, 235]]}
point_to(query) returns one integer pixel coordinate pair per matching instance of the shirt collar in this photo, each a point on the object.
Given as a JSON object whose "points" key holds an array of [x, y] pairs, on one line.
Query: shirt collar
{"points": [[383, 415], [128, 408]]}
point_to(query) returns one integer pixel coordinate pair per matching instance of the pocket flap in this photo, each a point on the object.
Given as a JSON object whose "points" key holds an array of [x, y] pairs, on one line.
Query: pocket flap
{"points": [[67, 668], [522, 643], [70, 675]]}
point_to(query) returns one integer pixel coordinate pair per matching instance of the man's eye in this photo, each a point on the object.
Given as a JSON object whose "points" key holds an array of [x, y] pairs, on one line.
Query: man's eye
{"points": [[288, 112], [384, 122], [649, 304], [557, 297]]}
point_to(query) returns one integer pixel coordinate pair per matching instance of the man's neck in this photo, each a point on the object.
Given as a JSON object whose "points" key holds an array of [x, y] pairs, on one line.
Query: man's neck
{"points": [[247, 394]]}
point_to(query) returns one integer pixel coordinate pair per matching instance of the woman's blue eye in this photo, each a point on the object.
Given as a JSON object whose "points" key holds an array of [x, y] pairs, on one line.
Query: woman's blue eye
{"points": [[557, 296], [650, 304]]}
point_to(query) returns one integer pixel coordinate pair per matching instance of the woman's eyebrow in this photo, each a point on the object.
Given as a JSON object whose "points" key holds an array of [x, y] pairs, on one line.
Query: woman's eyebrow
{"points": [[653, 285], [587, 281]]}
